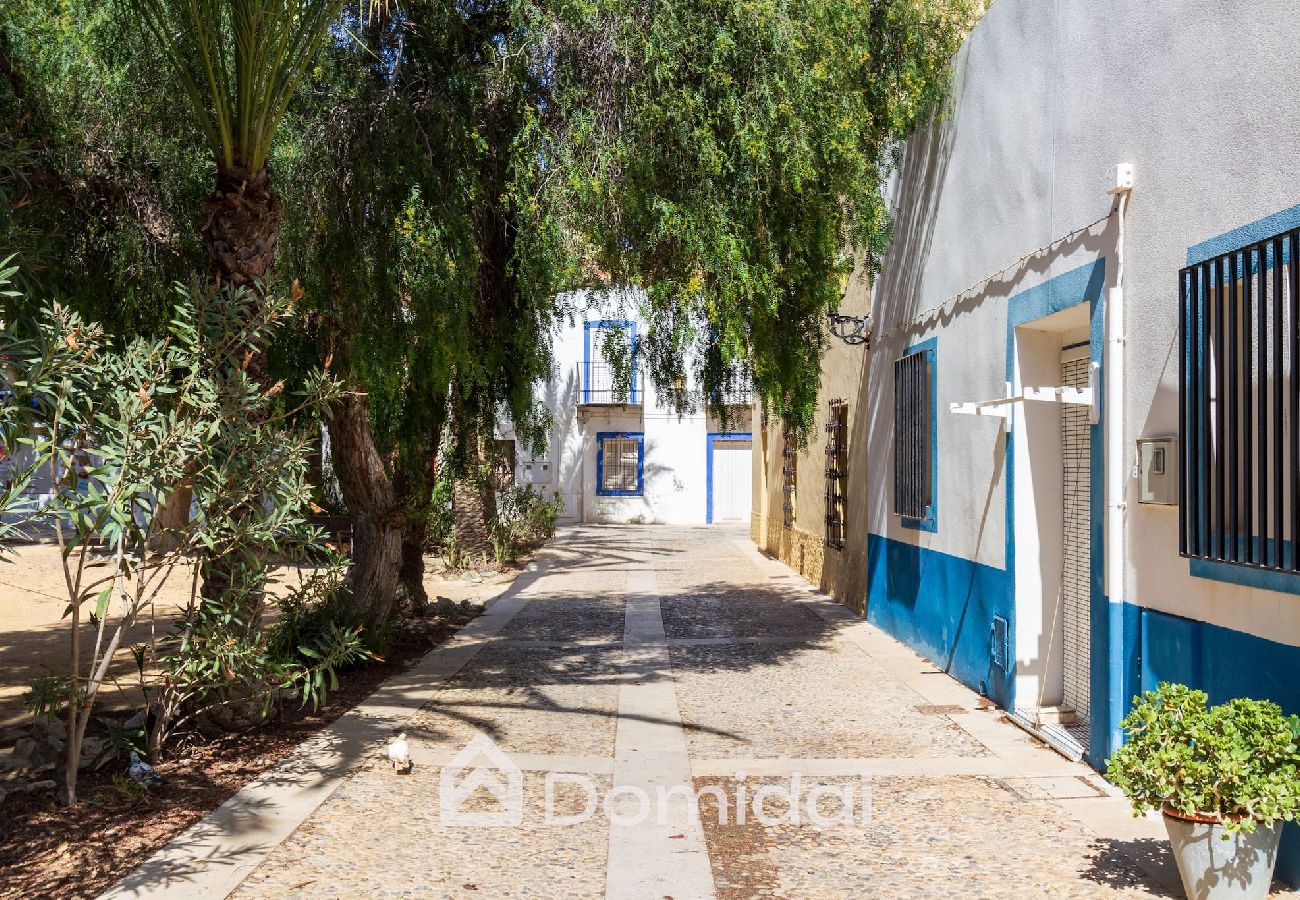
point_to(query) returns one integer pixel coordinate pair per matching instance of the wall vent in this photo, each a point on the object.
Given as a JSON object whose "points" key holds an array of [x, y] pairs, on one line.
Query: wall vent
{"points": [[1000, 642]]}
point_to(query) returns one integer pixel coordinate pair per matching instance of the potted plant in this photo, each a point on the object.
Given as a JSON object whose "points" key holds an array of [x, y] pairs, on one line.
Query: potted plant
{"points": [[1225, 778]]}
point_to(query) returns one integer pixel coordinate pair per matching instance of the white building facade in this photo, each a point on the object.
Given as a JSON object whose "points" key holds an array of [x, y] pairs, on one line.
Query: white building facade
{"points": [[1081, 448], [618, 453]]}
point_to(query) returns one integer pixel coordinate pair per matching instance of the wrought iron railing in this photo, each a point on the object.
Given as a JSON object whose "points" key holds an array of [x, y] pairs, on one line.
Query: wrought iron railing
{"points": [[606, 385], [740, 395]]}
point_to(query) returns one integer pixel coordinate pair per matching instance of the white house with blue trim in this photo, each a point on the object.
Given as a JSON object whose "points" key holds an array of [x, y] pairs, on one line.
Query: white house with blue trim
{"points": [[1075, 446], [618, 453]]}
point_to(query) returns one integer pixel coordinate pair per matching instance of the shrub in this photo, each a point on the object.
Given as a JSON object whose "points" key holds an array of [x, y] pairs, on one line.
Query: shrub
{"points": [[441, 517], [119, 430], [1237, 763], [524, 519]]}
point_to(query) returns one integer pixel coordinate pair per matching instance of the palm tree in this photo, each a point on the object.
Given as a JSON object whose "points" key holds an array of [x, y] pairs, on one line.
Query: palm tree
{"points": [[239, 62]]}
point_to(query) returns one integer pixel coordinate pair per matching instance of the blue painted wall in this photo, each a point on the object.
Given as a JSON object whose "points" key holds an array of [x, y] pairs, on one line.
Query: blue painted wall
{"points": [[942, 607], [1223, 663]]}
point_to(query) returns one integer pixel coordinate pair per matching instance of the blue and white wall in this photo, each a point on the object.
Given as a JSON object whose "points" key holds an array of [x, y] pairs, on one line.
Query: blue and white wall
{"points": [[1012, 183], [675, 470]]}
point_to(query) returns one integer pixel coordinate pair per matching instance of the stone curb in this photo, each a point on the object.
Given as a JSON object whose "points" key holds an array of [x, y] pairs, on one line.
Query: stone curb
{"points": [[213, 856]]}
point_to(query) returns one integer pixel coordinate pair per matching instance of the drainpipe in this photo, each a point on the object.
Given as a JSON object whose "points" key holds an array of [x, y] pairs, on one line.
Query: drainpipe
{"points": [[1116, 560]]}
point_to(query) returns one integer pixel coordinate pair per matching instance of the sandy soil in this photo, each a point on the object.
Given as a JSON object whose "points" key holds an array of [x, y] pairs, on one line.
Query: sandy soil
{"points": [[35, 638]]}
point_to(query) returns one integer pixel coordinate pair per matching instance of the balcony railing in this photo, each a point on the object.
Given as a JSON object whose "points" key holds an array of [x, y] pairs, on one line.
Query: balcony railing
{"points": [[739, 395], [603, 386]]}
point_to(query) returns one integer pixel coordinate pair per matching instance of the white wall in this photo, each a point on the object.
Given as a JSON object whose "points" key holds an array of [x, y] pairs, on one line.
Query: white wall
{"points": [[1048, 97], [675, 448]]}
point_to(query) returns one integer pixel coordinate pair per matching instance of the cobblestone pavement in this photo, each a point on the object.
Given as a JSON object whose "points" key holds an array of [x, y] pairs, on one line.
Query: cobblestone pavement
{"points": [[657, 657]]}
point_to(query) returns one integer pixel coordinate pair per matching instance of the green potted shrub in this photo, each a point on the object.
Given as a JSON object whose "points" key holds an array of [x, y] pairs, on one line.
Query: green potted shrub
{"points": [[1225, 778]]}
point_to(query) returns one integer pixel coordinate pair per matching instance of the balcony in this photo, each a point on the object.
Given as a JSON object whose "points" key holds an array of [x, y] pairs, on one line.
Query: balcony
{"points": [[602, 386], [738, 395]]}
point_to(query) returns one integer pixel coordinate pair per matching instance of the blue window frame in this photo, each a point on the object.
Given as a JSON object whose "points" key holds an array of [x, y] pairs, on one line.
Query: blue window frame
{"points": [[916, 437], [597, 384], [620, 463], [1239, 511]]}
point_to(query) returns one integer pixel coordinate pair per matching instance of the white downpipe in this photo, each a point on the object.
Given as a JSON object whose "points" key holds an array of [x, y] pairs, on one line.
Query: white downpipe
{"points": [[1116, 474], [1116, 562]]}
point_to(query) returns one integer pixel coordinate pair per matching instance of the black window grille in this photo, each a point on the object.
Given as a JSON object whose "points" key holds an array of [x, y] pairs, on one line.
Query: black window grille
{"points": [[1239, 410], [837, 462], [789, 477], [912, 436]]}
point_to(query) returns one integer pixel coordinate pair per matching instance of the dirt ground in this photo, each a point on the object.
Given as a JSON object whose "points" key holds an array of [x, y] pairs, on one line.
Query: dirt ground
{"points": [[35, 638], [47, 850]]}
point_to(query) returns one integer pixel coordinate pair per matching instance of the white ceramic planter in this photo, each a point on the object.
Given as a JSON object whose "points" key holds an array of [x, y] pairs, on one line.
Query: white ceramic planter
{"points": [[1239, 868]]}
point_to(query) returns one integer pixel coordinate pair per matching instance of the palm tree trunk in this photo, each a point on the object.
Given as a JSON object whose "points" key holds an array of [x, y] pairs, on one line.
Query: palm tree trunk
{"points": [[171, 519], [241, 224], [474, 505]]}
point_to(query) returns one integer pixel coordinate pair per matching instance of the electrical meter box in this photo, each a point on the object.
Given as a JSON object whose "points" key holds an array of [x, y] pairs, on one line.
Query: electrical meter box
{"points": [[535, 471], [1158, 471]]}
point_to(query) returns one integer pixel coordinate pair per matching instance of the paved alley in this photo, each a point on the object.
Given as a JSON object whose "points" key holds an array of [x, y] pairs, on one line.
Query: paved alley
{"points": [[635, 662]]}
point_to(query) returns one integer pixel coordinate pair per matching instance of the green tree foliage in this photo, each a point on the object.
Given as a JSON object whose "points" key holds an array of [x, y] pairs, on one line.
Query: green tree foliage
{"points": [[457, 174], [491, 159], [100, 175], [421, 221], [239, 63], [730, 156]]}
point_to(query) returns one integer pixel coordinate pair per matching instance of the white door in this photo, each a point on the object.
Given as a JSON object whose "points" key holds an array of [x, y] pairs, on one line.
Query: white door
{"points": [[732, 485]]}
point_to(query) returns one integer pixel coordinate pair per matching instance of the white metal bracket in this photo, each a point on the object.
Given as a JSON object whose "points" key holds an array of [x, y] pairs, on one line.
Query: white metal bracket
{"points": [[998, 409], [1001, 407]]}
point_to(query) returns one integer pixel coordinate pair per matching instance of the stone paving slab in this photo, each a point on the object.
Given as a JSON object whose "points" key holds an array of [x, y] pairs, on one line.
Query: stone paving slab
{"points": [[718, 612], [383, 836], [599, 619], [926, 837], [654, 657], [572, 719], [828, 701]]}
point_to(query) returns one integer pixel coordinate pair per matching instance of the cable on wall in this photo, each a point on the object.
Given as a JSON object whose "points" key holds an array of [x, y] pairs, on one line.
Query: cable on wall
{"points": [[970, 291]]}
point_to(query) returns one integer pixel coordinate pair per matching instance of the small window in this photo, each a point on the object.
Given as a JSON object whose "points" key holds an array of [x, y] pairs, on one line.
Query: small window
{"points": [[837, 461], [619, 464], [1239, 415], [914, 459], [789, 477]]}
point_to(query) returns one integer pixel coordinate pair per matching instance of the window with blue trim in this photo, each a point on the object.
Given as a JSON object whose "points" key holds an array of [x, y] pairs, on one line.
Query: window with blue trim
{"points": [[915, 459], [620, 464], [1239, 411]]}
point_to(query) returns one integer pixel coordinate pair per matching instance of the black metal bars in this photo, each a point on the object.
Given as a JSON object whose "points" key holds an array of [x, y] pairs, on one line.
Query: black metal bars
{"points": [[837, 462], [912, 452], [1239, 408]]}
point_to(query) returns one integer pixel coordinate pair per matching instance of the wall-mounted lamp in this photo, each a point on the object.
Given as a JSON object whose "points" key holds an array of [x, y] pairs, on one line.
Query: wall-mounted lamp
{"points": [[852, 330]]}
